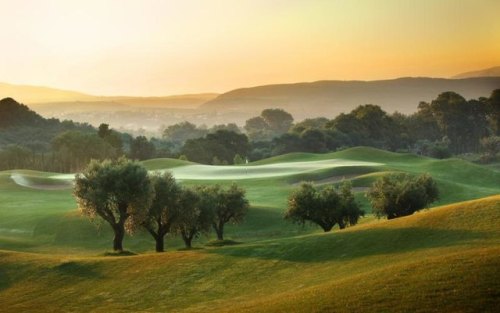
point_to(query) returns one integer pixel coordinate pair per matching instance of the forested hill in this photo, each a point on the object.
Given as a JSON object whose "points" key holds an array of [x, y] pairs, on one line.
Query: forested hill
{"points": [[21, 126], [330, 98], [13, 114]]}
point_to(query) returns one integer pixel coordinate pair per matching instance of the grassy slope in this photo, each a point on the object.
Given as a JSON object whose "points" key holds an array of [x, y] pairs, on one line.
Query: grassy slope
{"points": [[443, 259]]}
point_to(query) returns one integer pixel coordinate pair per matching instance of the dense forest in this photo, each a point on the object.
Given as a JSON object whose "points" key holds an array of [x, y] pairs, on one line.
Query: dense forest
{"points": [[448, 125]]}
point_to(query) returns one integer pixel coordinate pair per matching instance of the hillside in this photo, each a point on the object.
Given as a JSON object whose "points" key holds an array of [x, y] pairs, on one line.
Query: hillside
{"points": [[14, 114], [36, 94], [48, 98], [442, 260], [21, 126], [489, 72], [445, 259], [119, 111], [329, 98]]}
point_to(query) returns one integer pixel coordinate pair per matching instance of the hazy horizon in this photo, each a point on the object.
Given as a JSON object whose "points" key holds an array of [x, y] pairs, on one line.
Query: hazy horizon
{"points": [[158, 48]]}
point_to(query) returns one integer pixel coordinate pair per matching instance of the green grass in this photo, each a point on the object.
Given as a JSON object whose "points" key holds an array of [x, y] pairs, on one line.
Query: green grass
{"points": [[49, 218], [442, 259], [156, 164]]}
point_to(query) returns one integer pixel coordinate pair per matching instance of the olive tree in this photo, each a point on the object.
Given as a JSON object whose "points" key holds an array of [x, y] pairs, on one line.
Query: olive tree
{"points": [[227, 206], [164, 208], [397, 195], [194, 219], [118, 191], [325, 207]]}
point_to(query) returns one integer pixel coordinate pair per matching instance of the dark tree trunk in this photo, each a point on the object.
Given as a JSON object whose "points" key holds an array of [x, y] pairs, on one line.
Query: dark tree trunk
{"points": [[341, 225], [187, 240], [326, 227], [160, 243], [219, 230], [118, 240]]}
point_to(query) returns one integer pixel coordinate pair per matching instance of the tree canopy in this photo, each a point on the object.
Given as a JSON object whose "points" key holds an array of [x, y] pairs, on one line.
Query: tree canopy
{"points": [[216, 148], [118, 191], [164, 208], [401, 194], [227, 205], [194, 219], [325, 207]]}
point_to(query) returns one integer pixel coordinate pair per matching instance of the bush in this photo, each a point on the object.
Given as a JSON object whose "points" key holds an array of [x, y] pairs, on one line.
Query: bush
{"points": [[398, 195]]}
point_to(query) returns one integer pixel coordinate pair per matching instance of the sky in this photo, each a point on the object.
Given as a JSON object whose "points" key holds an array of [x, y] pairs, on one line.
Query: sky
{"points": [[154, 48]]}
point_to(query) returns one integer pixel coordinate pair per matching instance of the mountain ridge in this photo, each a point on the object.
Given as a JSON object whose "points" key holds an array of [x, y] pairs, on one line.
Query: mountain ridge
{"points": [[334, 97], [487, 72], [42, 96]]}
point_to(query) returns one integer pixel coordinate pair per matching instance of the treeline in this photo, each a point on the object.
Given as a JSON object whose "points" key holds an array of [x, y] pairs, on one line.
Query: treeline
{"points": [[448, 125]]}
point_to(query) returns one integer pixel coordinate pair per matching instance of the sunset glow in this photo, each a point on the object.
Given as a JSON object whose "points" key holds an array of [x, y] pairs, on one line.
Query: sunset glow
{"points": [[171, 47]]}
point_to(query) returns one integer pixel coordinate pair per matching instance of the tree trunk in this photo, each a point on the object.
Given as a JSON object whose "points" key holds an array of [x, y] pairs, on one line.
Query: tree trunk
{"points": [[326, 228], [341, 225], [219, 230], [187, 240], [118, 240], [159, 243]]}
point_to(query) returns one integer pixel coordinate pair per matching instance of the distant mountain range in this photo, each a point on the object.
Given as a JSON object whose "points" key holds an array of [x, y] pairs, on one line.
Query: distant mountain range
{"points": [[45, 97], [302, 100], [329, 98], [489, 72]]}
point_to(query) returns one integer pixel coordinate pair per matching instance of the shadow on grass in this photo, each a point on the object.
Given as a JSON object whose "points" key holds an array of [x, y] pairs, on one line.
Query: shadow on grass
{"points": [[119, 253], [76, 269], [4, 280], [221, 243], [343, 246]]}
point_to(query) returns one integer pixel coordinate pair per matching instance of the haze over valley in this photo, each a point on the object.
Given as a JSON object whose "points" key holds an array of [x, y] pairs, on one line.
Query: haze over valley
{"points": [[150, 115]]}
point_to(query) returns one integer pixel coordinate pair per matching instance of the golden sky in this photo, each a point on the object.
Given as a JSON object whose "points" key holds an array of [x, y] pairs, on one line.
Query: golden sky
{"points": [[162, 47]]}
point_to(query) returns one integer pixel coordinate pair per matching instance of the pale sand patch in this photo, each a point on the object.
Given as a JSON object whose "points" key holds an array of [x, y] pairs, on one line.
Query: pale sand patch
{"points": [[233, 172], [23, 181]]}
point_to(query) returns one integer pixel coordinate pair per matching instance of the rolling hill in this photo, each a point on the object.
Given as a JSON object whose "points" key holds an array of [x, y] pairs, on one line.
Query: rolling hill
{"points": [[442, 259], [303, 100], [46, 99], [131, 113], [489, 72], [35, 94], [21, 126], [329, 98]]}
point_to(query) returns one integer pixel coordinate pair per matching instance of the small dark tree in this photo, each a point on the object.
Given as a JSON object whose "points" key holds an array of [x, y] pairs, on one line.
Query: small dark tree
{"points": [[117, 191], [398, 195], [164, 208], [193, 219], [326, 207], [103, 130], [111, 137], [491, 147], [226, 206], [141, 149], [279, 120]]}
